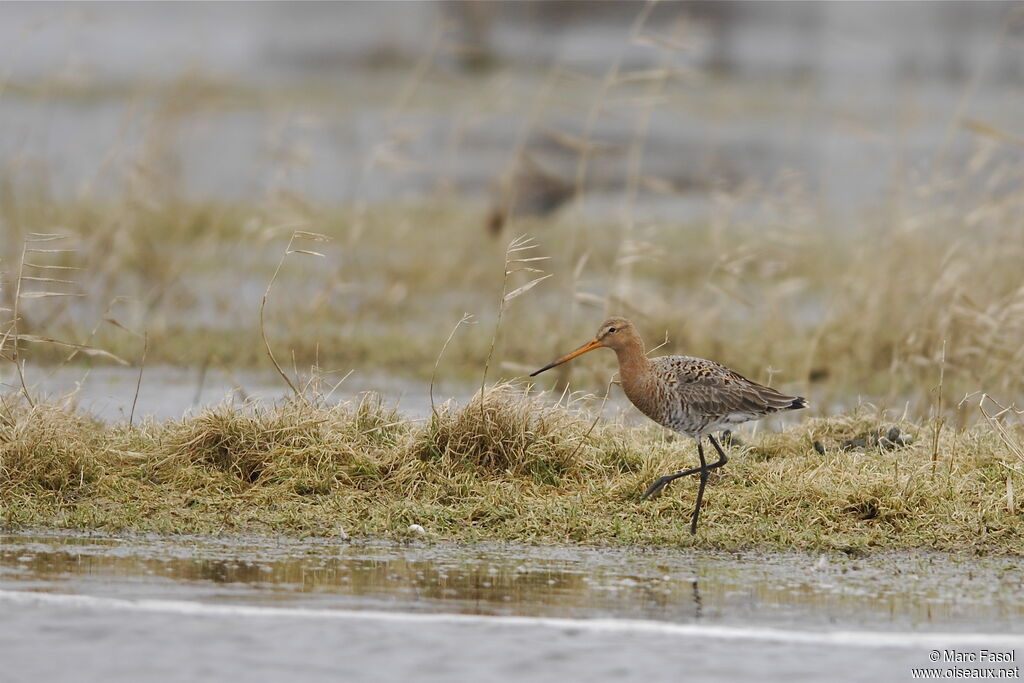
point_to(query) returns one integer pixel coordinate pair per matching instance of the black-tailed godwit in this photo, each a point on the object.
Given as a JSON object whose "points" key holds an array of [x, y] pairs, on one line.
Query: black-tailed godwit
{"points": [[692, 396]]}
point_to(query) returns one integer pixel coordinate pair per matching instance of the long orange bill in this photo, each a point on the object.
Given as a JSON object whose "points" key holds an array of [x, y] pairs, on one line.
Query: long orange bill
{"points": [[589, 346]]}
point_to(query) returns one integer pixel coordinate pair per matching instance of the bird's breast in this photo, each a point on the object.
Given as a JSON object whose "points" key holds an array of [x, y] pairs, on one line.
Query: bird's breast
{"points": [[657, 400]]}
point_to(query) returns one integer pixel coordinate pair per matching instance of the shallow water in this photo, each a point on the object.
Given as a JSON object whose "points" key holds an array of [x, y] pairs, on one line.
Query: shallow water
{"points": [[98, 607], [168, 392]]}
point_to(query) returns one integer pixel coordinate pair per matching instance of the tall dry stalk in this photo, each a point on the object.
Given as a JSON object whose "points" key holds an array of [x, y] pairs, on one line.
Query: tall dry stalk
{"points": [[296, 234], [38, 279], [466, 319], [939, 418], [388, 151], [594, 112], [996, 420], [657, 81], [39, 245], [138, 380], [514, 263]]}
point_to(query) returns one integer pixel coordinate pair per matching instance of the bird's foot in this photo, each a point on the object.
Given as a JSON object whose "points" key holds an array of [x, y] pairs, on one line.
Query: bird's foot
{"points": [[657, 486], [662, 482]]}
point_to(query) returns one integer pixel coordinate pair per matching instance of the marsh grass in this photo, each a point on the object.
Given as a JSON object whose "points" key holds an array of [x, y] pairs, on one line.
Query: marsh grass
{"points": [[509, 465], [765, 280], [863, 312]]}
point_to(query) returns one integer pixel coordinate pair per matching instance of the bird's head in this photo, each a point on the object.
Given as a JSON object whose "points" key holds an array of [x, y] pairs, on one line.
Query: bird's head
{"points": [[614, 333]]}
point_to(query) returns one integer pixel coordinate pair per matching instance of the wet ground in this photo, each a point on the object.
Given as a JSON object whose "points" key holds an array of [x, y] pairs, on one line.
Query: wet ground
{"points": [[97, 607]]}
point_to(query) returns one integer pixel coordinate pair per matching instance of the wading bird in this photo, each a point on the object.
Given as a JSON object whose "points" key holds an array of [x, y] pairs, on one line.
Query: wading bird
{"points": [[688, 395]]}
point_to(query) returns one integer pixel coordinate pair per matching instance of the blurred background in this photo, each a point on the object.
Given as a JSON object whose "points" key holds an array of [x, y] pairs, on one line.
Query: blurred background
{"points": [[821, 195], [377, 101]]}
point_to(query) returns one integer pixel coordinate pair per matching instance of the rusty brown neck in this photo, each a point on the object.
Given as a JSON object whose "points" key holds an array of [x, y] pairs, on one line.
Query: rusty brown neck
{"points": [[634, 365], [636, 377]]}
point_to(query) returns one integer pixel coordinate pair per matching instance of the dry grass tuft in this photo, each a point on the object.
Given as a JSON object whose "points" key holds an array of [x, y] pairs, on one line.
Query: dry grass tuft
{"points": [[308, 448], [48, 448], [505, 431], [250, 444]]}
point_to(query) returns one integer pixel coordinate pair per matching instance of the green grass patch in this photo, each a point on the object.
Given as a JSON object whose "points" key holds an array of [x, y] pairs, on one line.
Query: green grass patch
{"points": [[514, 466]]}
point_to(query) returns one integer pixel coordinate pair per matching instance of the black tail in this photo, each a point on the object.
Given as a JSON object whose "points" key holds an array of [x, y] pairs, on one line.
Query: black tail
{"points": [[798, 402]]}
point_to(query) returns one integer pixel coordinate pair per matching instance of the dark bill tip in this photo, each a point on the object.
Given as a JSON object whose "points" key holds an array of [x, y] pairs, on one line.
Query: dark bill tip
{"points": [[546, 367], [589, 346]]}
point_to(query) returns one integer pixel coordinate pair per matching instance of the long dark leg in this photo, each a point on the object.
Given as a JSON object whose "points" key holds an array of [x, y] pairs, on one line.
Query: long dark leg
{"points": [[722, 459], [700, 491], [662, 481]]}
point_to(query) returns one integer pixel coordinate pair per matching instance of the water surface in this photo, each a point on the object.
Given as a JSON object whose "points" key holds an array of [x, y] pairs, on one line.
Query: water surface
{"points": [[100, 607]]}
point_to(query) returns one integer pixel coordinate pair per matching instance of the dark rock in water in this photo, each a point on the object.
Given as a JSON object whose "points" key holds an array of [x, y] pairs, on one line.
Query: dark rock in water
{"points": [[890, 441], [894, 439], [855, 444]]}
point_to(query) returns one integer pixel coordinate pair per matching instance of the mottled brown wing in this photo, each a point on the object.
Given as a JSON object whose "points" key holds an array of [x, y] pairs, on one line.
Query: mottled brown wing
{"points": [[711, 389]]}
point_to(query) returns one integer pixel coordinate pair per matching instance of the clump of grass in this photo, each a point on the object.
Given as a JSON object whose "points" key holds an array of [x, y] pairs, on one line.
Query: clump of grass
{"points": [[306, 447], [249, 443], [505, 430], [47, 448], [509, 465]]}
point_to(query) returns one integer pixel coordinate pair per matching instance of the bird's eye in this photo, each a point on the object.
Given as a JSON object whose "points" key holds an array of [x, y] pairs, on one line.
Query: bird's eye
{"points": [[611, 329]]}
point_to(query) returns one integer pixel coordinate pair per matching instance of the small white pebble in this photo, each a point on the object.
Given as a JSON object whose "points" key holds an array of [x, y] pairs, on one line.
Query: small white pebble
{"points": [[417, 529]]}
